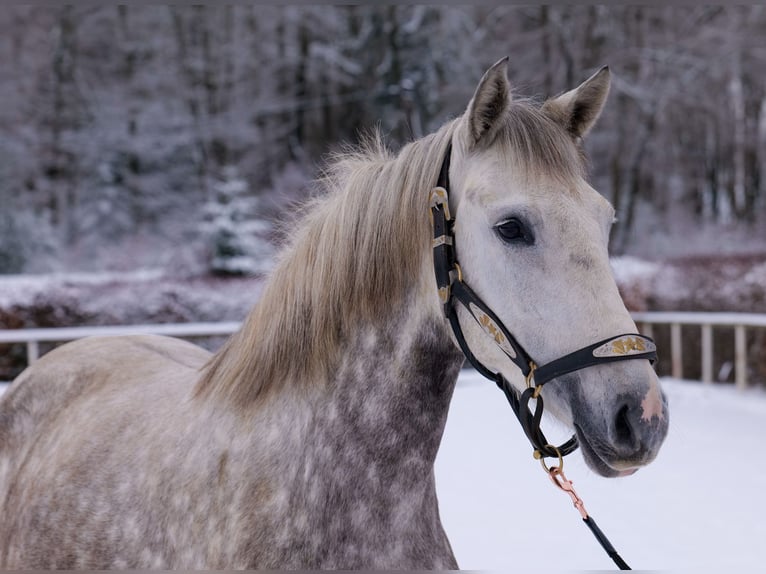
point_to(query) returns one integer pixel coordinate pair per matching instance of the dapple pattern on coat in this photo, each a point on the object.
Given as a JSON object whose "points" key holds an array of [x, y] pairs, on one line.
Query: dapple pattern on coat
{"points": [[185, 506], [308, 441]]}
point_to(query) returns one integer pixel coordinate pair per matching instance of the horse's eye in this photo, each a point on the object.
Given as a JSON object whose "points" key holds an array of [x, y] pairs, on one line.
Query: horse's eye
{"points": [[514, 231]]}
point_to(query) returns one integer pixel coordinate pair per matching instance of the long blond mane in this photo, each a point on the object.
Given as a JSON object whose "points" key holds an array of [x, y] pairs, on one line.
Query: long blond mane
{"points": [[355, 251], [352, 254]]}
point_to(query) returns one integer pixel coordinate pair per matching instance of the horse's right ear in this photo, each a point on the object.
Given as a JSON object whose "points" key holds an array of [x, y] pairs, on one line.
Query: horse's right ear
{"points": [[490, 101]]}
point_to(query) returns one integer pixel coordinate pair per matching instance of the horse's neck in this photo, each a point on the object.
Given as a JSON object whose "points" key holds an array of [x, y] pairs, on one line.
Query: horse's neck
{"points": [[366, 471], [392, 390]]}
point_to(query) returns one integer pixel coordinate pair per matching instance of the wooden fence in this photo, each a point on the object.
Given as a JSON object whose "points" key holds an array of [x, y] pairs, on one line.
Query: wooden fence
{"points": [[645, 320], [706, 321]]}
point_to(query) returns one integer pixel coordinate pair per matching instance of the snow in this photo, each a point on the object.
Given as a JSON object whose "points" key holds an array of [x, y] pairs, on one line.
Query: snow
{"points": [[143, 295], [628, 269], [697, 507], [19, 290]]}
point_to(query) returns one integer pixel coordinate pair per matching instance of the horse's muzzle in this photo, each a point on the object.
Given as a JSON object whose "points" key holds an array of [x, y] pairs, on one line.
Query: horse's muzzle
{"points": [[629, 438]]}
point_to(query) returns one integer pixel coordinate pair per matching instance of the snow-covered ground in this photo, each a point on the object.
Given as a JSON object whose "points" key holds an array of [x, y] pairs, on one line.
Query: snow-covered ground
{"points": [[698, 507]]}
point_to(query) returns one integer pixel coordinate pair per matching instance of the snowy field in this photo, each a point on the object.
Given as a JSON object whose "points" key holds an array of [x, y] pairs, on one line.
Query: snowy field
{"points": [[698, 507]]}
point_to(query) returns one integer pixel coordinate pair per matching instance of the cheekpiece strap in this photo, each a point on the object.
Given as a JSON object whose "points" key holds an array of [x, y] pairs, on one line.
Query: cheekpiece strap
{"points": [[492, 326], [445, 262], [442, 243]]}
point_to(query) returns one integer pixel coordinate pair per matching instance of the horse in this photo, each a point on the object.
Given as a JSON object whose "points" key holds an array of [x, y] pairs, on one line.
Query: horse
{"points": [[308, 440]]}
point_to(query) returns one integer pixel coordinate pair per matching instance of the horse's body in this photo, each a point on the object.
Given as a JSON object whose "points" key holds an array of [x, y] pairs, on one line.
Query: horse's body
{"points": [[131, 475], [309, 440]]}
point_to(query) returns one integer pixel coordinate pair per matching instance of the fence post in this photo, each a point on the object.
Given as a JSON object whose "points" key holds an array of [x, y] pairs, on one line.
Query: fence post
{"points": [[676, 356], [740, 357], [646, 329], [33, 352], [707, 354]]}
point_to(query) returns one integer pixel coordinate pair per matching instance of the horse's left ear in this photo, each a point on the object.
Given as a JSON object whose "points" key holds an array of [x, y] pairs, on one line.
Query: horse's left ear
{"points": [[577, 110]]}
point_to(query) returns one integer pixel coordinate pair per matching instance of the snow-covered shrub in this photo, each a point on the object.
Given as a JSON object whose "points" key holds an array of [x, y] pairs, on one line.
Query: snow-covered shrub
{"points": [[635, 278], [237, 234]]}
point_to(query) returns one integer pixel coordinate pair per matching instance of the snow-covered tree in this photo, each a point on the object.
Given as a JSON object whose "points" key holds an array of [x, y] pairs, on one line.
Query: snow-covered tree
{"points": [[116, 120], [238, 236]]}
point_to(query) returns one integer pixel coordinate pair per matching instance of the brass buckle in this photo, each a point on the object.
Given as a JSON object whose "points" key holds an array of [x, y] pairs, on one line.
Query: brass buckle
{"points": [[439, 198]]}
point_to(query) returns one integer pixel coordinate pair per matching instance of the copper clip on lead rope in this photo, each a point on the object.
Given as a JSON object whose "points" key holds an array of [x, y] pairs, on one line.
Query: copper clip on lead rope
{"points": [[557, 476], [559, 479]]}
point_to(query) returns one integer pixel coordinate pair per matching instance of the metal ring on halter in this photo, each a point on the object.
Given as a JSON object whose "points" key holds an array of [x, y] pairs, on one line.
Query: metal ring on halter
{"points": [[539, 456], [531, 377]]}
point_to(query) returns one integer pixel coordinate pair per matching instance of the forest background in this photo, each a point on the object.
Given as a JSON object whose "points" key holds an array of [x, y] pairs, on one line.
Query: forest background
{"points": [[167, 143], [121, 124]]}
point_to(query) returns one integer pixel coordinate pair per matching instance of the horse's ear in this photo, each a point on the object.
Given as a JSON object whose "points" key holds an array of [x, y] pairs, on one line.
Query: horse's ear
{"points": [[490, 101], [577, 110]]}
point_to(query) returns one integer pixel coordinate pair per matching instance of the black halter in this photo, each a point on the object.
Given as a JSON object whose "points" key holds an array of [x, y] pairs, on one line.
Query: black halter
{"points": [[452, 290]]}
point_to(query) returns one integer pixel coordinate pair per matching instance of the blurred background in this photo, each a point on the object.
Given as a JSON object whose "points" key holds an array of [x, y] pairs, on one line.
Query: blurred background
{"points": [[149, 153]]}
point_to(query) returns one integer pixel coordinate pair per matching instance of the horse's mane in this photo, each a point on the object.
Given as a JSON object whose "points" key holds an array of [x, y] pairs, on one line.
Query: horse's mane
{"points": [[351, 254], [354, 252]]}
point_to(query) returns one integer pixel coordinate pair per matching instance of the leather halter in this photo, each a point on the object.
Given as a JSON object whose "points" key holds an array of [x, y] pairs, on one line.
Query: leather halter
{"points": [[453, 290]]}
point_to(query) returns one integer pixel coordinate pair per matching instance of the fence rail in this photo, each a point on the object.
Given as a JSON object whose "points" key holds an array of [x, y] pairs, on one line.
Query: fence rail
{"points": [[33, 337], [706, 321], [646, 321]]}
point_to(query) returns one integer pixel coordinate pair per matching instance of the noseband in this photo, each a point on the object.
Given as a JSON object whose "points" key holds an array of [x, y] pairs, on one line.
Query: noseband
{"points": [[453, 290]]}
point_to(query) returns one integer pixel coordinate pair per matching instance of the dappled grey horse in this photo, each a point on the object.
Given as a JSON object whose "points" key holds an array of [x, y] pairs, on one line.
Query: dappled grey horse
{"points": [[308, 441]]}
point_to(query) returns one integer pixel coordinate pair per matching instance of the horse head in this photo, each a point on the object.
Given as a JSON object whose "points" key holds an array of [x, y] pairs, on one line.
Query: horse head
{"points": [[531, 237]]}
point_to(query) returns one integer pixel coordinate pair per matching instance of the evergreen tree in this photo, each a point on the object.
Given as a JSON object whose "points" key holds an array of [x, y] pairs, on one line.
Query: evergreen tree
{"points": [[238, 236]]}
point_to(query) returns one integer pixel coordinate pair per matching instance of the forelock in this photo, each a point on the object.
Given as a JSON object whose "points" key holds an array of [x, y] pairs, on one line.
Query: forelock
{"points": [[537, 146]]}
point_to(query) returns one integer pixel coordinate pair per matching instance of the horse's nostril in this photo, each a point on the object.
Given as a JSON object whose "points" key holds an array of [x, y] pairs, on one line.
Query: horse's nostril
{"points": [[623, 429]]}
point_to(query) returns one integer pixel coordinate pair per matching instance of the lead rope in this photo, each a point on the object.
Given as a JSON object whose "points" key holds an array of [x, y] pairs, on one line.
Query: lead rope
{"points": [[530, 424], [559, 479]]}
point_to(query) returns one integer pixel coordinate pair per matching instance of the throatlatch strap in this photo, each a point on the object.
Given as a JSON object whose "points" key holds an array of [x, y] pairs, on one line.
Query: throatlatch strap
{"points": [[478, 365], [492, 325]]}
